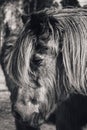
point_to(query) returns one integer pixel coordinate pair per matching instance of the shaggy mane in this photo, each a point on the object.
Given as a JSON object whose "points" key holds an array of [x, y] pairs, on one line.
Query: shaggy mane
{"points": [[69, 28], [73, 27]]}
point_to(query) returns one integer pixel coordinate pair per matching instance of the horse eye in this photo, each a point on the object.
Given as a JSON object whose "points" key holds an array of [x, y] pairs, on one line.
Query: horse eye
{"points": [[35, 63], [41, 49], [34, 101]]}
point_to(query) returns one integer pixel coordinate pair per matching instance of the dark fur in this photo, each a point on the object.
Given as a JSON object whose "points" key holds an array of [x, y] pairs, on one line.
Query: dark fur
{"points": [[45, 62], [72, 113]]}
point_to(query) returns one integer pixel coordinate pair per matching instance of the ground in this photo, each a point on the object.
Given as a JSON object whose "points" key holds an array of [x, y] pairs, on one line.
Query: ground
{"points": [[6, 118]]}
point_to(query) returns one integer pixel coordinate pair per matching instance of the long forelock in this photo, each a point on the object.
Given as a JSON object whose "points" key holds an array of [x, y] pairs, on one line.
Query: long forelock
{"points": [[18, 61], [17, 56]]}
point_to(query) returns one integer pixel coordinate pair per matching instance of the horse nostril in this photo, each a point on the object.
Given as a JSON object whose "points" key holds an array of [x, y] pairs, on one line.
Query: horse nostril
{"points": [[17, 115], [15, 112]]}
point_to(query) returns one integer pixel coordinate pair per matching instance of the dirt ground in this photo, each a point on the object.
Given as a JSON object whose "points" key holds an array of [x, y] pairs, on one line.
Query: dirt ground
{"points": [[6, 118]]}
